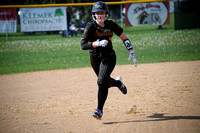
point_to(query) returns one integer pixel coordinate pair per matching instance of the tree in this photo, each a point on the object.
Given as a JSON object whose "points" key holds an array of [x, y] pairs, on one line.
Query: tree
{"points": [[59, 12]]}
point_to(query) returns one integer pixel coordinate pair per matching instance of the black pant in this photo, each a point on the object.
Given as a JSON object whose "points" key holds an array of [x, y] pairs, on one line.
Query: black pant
{"points": [[103, 67]]}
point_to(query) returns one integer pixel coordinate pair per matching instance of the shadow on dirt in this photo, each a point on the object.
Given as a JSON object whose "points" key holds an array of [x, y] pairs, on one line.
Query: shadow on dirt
{"points": [[159, 117]]}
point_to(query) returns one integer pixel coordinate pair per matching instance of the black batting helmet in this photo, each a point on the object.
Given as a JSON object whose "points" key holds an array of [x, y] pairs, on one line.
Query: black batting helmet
{"points": [[99, 6]]}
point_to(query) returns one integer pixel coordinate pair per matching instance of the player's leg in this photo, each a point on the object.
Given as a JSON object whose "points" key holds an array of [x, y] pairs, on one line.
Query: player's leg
{"points": [[103, 67], [95, 63], [106, 67], [117, 83]]}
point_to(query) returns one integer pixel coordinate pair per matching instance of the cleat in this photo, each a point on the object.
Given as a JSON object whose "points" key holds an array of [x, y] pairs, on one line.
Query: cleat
{"points": [[123, 88], [97, 114]]}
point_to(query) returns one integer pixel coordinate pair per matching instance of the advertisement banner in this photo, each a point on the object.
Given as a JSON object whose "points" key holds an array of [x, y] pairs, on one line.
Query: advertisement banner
{"points": [[8, 21], [155, 13], [43, 19]]}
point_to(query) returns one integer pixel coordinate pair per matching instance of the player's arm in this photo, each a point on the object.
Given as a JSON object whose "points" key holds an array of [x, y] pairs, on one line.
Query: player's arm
{"points": [[85, 45], [88, 35], [124, 38], [129, 47]]}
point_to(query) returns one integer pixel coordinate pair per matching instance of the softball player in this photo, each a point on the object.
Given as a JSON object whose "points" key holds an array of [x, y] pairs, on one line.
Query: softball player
{"points": [[97, 38]]}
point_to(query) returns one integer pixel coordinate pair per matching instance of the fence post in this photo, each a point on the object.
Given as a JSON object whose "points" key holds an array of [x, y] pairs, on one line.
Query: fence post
{"points": [[121, 16]]}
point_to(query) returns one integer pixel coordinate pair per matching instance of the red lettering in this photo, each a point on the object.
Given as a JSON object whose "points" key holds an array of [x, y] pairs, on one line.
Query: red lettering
{"points": [[149, 5], [138, 9]]}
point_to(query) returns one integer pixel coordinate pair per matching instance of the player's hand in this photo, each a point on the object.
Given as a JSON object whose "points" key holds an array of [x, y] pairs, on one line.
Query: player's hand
{"points": [[132, 56], [102, 43]]}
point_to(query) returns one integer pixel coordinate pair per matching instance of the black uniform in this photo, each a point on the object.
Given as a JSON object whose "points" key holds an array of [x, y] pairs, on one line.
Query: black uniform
{"points": [[103, 59]]}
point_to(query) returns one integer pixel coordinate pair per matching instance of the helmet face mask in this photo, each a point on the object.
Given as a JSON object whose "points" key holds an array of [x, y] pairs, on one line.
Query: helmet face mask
{"points": [[100, 16], [98, 7]]}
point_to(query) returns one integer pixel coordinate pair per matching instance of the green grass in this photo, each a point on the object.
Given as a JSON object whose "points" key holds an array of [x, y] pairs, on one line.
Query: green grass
{"points": [[47, 52]]}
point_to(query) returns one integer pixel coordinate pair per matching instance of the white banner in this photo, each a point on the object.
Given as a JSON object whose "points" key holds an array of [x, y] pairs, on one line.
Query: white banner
{"points": [[8, 22], [155, 13], [43, 19]]}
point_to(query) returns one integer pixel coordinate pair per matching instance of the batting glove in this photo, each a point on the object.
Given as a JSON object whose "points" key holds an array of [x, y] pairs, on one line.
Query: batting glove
{"points": [[102, 43], [132, 56]]}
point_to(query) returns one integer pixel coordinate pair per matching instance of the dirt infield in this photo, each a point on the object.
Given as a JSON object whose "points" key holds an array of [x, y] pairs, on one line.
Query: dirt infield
{"points": [[163, 97]]}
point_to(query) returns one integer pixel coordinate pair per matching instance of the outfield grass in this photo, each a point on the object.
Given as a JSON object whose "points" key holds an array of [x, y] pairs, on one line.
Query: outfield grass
{"points": [[47, 52]]}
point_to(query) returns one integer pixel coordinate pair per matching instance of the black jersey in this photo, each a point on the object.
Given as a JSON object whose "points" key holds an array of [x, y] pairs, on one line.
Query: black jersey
{"points": [[93, 32]]}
